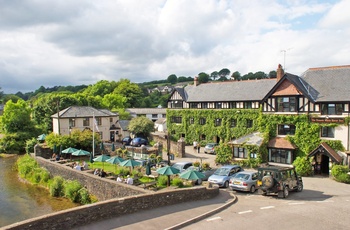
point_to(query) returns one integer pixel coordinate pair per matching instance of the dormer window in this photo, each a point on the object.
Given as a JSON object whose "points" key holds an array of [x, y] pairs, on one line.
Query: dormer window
{"points": [[331, 109], [286, 104]]}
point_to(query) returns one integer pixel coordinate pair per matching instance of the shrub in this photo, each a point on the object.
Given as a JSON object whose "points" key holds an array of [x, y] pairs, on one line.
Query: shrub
{"points": [[340, 173], [205, 166], [162, 181], [177, 182], [303, 166], [84, 196], [196, 164], [25, 165], [71, 190], [123, 171], [56, 187]]}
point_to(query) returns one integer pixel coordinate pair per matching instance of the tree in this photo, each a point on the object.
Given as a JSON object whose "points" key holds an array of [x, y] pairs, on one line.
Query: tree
{"points": [[236, 76], [16, 117], [203, 77], [101, 88], [182, 79], [272, 74], [214, 75], [141, 126], [113, 101], [131, 91], [172, 79], [224, 73], [260, 75]]}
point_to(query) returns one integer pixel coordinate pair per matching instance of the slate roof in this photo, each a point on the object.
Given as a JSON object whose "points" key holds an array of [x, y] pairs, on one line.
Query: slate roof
{"points": [[331, 83], [147, 110], [255, 138], [251, 90], [124, 124], [84, 111]]}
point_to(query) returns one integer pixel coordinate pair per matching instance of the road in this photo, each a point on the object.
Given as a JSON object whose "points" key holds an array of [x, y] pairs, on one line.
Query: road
{"points": [[324, 204]]}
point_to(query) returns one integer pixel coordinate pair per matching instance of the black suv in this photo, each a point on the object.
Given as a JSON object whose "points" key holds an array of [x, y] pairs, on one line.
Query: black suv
{"points": [[278, 180]]}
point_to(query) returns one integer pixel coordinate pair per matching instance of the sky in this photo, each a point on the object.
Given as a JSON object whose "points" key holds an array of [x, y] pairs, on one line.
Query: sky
{"points": [[80, 42]]}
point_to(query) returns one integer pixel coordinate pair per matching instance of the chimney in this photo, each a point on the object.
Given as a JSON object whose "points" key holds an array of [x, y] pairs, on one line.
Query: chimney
{"points": [[280, 72], [196, 81]]}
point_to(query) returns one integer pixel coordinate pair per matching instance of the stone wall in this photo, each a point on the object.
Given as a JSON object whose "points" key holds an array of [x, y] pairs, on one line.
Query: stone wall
{"points": [[102, 188], [176, 148]]}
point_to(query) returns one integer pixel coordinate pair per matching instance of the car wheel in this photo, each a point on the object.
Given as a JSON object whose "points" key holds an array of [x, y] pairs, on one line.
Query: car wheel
{"points": [[300, 187], [226, 184], [285, 191], [252, 189], [267, 181]]}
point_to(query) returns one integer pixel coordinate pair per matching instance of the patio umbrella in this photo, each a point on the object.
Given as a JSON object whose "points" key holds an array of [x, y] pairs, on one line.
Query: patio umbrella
{"points": [[113, 147], [102, 158], [41, 137], [168, 170], [130, 163], [80, 153], [115, 160], [69, 150], [54, 149], [192, 175]]}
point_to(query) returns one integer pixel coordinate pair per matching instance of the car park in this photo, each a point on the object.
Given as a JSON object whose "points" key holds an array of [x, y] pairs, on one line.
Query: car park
{"points": [[244, 181], [222, 175], [182, 166], [278, 180], [138, 141], [210, 148]]}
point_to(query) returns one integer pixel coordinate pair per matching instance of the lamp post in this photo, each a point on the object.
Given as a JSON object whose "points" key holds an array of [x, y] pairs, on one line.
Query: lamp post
{"points": [[167, 137]]}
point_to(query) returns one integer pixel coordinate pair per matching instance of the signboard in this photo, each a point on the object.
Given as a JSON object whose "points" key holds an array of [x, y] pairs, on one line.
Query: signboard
{"points": [[327, 120]]}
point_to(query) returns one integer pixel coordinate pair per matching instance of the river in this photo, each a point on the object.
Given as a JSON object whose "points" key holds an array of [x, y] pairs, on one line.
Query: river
{"points": [[20, 201]]}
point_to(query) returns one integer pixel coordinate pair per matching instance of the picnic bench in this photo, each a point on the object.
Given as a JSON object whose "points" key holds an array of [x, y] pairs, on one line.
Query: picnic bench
{"points": [[152, 184]]}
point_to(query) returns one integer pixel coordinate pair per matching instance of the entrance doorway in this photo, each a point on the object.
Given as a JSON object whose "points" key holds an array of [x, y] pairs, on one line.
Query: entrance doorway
{"points": [[325, 165]]}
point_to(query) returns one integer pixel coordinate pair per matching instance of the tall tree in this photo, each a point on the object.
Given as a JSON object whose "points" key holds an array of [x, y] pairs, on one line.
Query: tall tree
{"points": [[141, 126], [236, 76], [172, 79], [214, 75], [272, 74], [131, 91], [203, 77], [224, 72]]}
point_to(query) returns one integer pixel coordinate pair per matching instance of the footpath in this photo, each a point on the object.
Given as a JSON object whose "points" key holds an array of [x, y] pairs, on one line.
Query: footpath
{"points": [[172, 216]]}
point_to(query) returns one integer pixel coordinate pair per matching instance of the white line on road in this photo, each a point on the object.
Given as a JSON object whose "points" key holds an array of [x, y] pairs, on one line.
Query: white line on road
{"points": [[244, 212], [267, 207], [296, 203], [214, 218]]}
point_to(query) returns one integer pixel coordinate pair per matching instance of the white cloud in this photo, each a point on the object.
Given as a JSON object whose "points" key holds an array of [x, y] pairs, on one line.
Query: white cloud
{"points": [[81, 42]]}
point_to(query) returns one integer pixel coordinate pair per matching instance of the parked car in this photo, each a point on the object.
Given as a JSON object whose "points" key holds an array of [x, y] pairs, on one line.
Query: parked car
{"points": [[223, 175], [244, 181], [207, 172], [126, 140], [278, 180], [182, 166], [138, 141], [210, 148]]}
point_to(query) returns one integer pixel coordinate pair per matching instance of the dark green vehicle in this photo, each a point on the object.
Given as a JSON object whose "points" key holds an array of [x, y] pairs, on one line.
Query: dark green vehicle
{"points": [[278, 180]]}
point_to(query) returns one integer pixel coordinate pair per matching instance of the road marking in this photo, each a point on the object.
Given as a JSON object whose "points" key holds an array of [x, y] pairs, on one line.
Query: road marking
{"points": [[244, 212], [214, 218], [296, 203], [267, 207], [325, 201]]}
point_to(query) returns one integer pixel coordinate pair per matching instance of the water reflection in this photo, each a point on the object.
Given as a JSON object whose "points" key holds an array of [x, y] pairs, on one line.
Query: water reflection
{"points": [[20, 201]]}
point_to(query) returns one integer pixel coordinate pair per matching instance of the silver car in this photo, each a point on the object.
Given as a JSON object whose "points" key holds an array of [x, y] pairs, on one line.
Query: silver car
{"points": [[244, 181]]}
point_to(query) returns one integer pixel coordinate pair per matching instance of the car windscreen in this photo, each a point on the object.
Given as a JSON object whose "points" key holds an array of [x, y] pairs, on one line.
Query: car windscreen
{"points": [[222, 172], [242, 176]]}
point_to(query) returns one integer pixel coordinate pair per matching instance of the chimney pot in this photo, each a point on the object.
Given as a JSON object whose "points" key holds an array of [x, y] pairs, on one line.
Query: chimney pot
{"points": [[280, 72]]}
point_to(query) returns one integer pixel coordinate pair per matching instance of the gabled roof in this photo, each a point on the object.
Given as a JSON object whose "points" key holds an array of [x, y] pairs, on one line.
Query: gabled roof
{"points": [[124, 124], [181, 91], [331, 83], [160, 121], [250, 90], [84, 111], [146, 110], [281, 143], [328, 151], [299, 83]]}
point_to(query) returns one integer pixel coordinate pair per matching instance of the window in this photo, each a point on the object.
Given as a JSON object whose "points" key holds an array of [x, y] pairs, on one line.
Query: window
{"points": [[233, 123], [71, 122], [176, 104], [154, 115], [191, 120], [194, 105], [86, 122], [248, 105], [232, 105], [203, 137], [177, 120], [163, 115], [249, 123], [327, 132], [98, 120], [218, 105], [253, 155], [332, 109], [286, 104], [217, 122], [239, 152], [111, 119], [202, 121], [204, 105], [280, 156], [286, 129]]}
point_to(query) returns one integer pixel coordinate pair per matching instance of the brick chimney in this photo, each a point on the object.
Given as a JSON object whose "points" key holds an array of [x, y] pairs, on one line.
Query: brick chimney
{"points": [[280, 72], [196, 82]]}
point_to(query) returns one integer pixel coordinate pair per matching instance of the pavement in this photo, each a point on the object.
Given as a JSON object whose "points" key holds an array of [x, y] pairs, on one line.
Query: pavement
{"points": [[173, 216]]}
